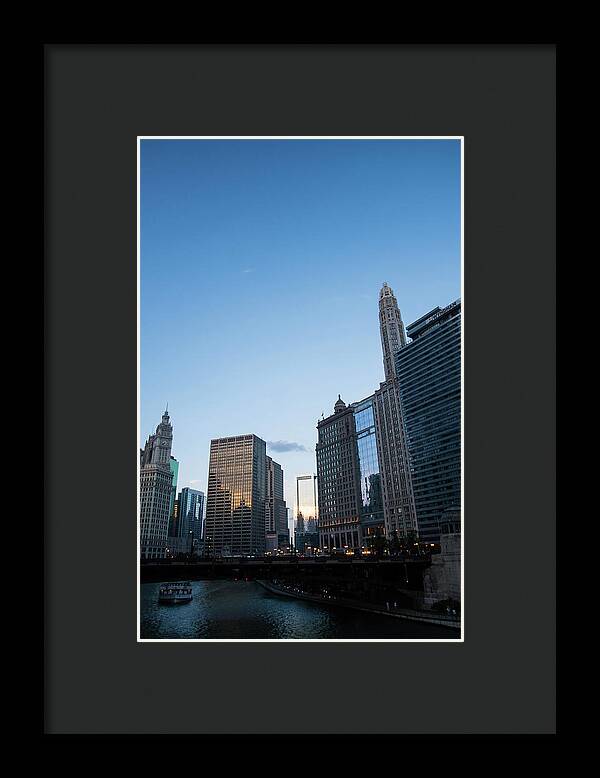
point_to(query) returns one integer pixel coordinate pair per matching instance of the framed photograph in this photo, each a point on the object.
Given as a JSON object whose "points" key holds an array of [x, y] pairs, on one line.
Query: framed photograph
{"points": [[370, 547], [297, 363]]}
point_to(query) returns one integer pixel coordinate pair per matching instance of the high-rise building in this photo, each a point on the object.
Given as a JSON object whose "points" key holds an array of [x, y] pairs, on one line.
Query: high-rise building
{"points": [[156, 480], [276, 530], [306, 534], [351, 503], [338, 480], [174, 464], [393, 336], [290, 524], [375, 457], [190, 513], [235, 505], [173, 520], [428, 372], [370, 497], [398, 501], [306, 503]]}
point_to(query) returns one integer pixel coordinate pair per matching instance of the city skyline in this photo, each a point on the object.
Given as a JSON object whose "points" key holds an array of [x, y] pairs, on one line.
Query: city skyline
{"points": [[326, 288]]}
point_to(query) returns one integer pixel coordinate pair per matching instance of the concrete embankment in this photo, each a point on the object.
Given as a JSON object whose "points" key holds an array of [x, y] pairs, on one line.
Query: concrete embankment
{"points": [[397, 613]]}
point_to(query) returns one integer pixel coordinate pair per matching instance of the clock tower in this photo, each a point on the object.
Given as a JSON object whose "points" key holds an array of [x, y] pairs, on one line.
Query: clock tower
{"points": [[162, 441], [156, 485]]}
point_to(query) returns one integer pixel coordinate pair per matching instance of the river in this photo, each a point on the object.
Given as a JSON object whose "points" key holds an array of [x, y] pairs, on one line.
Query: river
{"points": [[245, 610]]}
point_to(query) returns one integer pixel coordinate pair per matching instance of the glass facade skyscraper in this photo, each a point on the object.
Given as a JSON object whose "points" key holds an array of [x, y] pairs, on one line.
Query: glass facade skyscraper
{"points": [[235, 505], [428, 371], [371, 496], [306, 532], [306, 503], [174, 464], [190, 513]]}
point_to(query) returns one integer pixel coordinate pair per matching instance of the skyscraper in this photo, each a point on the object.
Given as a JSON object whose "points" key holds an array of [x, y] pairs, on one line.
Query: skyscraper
{"points": [[306, 533], [393, 336], [174, 464], [306, 502], [235, 506], [290, 524], [351, 500], [429, 379], [396, 483], [156, 479], [398, 501], [277, 535], [338, 479], [370, 496], [190, 513]]}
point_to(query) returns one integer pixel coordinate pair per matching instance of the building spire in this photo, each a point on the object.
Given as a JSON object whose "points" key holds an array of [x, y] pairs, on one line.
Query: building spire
{"points": [[340, 405], [386, 291], [391, 327], [165, 422]]}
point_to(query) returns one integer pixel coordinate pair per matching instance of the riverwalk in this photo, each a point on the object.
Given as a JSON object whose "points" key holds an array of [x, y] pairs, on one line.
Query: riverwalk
{"points": [[443, 620]]}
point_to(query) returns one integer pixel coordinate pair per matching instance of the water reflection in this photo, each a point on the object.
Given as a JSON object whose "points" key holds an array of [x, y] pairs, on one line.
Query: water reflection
{"points": [[243, 609]]}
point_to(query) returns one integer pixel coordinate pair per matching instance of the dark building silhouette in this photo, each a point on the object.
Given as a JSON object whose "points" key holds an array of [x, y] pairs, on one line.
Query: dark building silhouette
{"points": [[428, 371], [276, 529]]}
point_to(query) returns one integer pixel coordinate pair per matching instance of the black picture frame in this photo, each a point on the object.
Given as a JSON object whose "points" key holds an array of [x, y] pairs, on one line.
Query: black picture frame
{"points": [[97, 100]]}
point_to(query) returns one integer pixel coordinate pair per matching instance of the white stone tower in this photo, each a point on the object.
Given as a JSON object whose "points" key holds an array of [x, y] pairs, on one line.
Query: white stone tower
{"points": [[393, 336], [156, 480]]}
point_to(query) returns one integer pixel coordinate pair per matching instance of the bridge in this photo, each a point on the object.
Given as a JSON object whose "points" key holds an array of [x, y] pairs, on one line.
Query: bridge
{"points": [[373, 580]]}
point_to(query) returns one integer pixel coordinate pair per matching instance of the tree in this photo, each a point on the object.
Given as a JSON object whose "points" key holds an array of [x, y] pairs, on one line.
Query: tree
{"points": [[408, 541], [380, 544]]}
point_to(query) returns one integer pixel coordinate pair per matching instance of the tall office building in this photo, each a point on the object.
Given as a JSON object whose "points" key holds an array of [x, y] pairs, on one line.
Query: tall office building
{"points": [[396, 485], [338, 479], [351, 504], [190, 514], [156, 480], [173, 520], [370, 496], [428, 372], [174, 464], [235, 505], [306, 503], [277, 535], [393, 336], [306, 534], [290, 524]]}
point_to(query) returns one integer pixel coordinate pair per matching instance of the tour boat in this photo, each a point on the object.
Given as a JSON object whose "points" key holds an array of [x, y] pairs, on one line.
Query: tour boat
{"points": [[175, 592]]}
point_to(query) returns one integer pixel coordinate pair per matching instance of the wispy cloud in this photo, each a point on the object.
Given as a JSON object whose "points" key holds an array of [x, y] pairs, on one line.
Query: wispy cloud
{"points": [[248, 270], [285, 445], [195, 481]]}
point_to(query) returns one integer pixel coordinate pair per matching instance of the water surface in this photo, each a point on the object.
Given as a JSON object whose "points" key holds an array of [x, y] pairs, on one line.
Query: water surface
{"points": [[244, 609]]}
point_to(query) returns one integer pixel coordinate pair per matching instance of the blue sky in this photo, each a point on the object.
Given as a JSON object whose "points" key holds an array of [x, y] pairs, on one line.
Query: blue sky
{"points": [[261, 265]]}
